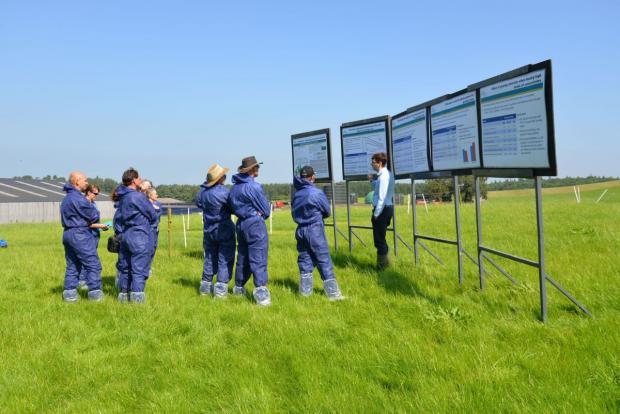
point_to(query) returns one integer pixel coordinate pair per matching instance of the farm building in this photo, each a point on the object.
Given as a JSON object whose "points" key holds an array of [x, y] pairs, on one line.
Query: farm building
{"points": [[38, 201]]}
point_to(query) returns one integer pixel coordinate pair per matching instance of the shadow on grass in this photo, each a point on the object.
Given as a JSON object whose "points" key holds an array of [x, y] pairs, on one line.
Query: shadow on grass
{"points": [[285, 283], [108, 286], [389, 279], [193, 284], [194, 254], [348, 260]]}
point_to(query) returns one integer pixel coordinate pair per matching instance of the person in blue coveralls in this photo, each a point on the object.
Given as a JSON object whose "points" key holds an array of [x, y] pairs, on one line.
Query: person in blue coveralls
{"points": [[219, 233], [137, 216], [117, 225], [91, 193], [77, 214], [382, 206], [151, 194], [249, 204], [309, 207]]}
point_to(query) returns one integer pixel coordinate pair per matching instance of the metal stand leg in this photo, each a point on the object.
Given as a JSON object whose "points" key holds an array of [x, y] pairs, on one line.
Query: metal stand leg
{"points": [[349, 216], [542, 276], [457, 214], [334, 216], [394, 228], [479, 232], [415, 233]]}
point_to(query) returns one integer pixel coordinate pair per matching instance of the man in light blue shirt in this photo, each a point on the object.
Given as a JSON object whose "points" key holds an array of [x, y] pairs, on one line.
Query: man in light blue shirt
{"points": [[382, 206]]}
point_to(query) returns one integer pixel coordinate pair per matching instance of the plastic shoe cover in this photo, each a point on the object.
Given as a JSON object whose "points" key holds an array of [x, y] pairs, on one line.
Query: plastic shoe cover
{"points": [[220, 290], [137, 297], [95, 295], [205, 287], [239, 291], [82, 284], [70, 295], [305, 284], [332, 290], [262, 296], [123, 297]]}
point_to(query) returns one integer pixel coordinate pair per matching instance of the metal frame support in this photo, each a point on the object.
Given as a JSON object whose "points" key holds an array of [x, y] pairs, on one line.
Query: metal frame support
{"points": [[460, 251], [543, 277], [353, 234]]}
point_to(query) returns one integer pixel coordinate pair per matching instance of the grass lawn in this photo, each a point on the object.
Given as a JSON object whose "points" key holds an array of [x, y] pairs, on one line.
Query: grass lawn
{"points": [[408, 339]]}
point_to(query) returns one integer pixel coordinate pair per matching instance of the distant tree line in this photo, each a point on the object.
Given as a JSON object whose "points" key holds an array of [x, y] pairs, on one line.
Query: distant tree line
{"points": [[439, 189], [521, 183]]}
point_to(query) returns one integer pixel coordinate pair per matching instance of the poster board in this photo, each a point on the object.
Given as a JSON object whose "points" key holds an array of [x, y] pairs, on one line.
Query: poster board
{"points": [[455, 140], [359, 141], [516, 121], [410, 144], [313, 148]]}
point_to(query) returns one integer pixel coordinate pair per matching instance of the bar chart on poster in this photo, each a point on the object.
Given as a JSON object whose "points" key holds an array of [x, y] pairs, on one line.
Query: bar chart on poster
{"points": [[514, 122], [359, 143], [454, 133], [313, 151], [410, 143]]}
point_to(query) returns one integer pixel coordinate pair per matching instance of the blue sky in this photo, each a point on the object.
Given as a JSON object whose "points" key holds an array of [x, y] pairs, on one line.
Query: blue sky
{"points": [[172, 87]]}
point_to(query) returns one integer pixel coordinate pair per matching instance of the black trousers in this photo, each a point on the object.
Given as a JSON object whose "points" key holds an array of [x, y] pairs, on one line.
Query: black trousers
{"points": [[379, 227]]}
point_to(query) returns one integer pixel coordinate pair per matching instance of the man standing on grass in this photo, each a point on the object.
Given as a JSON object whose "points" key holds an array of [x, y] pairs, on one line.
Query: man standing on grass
{"points": [[219, 232], [249, 204], [77, 215], [309, 207], [382, 206], [137, 216]]}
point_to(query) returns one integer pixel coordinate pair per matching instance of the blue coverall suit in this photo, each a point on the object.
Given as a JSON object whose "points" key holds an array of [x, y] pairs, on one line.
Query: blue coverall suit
{"points": [[137, 216], [155, 228], [219, 232], [309, 207], [117, 224], [97, 234], [250, 205], [77, 213]]}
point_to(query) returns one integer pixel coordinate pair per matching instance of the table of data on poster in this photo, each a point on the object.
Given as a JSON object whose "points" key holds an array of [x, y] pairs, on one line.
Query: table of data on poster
{"points": [[313, 151], [514, 123], [410, 143], [359, 143]]}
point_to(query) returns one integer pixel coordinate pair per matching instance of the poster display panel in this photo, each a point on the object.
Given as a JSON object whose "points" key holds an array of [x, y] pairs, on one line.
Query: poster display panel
{"points": [[514, 122], [312, 149], [410, 143], [454, 133], [359, 143]]}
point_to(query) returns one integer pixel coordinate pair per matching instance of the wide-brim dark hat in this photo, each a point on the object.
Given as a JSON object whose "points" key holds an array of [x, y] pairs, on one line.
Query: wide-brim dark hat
{"points": [[247, 164]]}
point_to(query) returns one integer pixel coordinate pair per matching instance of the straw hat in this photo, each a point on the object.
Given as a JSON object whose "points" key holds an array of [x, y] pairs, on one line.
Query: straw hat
{"points": [[215, 173], [247, 164]]}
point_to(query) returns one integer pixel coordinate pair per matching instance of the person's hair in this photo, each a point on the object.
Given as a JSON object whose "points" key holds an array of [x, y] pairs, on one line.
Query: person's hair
{"points": [[145, 185], [130, 175], [150, 191], [115, 196], [380, 157], [91, 188]]}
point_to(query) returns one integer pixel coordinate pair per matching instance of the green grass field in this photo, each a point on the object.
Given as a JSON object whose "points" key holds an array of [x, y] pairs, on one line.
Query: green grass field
{"points": [[408, 339]]}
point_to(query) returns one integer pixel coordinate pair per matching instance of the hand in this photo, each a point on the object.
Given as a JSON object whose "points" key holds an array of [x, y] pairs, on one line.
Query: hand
{"points": [[370, 177]]}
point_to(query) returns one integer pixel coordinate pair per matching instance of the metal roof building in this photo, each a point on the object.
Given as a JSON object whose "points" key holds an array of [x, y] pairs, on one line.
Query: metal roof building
{"points": [[38, 201]]}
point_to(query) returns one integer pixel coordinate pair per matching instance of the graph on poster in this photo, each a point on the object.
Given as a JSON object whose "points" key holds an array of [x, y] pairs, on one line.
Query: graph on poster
{"points": [[454, 136]]}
